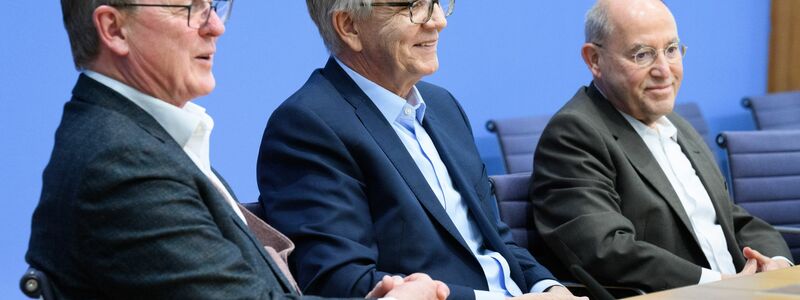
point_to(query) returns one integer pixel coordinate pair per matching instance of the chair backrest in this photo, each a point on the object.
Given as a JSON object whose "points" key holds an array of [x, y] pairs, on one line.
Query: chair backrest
{"points": [[691, 112], [516, 210], [765, 176], [255, 208], [518, 138], [35, 285], [775, 111]]}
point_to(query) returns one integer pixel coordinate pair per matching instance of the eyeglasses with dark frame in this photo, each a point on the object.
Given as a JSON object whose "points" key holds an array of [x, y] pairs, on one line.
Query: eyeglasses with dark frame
{"points": [[645, 56], [421, 11], [199, 11]]}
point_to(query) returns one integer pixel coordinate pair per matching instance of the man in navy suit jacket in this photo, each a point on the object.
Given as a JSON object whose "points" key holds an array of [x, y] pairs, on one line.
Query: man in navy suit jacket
{"points": [[373, 172], [130, 206]]}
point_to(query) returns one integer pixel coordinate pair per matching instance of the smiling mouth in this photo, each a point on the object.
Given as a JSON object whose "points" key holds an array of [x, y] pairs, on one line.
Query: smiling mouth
{"points": [[659, 88], [426, 44]]}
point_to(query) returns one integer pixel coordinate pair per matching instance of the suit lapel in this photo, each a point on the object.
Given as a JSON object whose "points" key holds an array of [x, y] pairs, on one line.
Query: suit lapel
{"points": [[639, 155], [705, 169], [492, 240], [385, 136]]}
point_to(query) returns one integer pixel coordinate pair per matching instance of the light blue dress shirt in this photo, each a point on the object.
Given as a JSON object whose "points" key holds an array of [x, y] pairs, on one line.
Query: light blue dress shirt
{"points": [[405, 116]]}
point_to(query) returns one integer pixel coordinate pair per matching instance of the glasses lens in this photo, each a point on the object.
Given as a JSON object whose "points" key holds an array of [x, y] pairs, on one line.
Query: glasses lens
{"points": [[447, 6], [645, 56], [199, 13], [223, 9], [420, 11]]}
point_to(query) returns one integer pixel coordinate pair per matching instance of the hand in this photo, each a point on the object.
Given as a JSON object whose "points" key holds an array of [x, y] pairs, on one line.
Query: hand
{"points": [[764, 263], [749, 268], [383, 287], [414, 286]]}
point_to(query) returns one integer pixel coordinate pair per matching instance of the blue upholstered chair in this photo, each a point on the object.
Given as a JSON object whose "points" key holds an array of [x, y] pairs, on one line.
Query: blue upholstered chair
{"points": [[518, 138], [516, 210], [775, 111], [765, 176], [691, 112]]}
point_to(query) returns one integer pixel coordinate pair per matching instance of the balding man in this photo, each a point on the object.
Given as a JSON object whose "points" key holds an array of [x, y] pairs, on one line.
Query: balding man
{"points": [[626, 188]]}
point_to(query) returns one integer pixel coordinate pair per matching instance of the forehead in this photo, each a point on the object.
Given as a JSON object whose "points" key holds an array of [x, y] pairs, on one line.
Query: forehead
{"points": [[649, 23]]}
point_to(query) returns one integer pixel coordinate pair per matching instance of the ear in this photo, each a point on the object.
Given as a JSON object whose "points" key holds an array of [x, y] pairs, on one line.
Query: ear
{"points": [[108, 21], [347, 30], [591, 57]]}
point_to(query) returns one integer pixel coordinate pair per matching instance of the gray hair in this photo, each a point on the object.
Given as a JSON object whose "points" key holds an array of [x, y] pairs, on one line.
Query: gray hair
{"points": [[597, 27], [321, 11], [83, 38]]}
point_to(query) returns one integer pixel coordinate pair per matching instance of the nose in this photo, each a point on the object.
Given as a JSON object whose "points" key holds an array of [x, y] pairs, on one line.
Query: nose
{"points": [[438, 19], [661, 67], [215, 27]]}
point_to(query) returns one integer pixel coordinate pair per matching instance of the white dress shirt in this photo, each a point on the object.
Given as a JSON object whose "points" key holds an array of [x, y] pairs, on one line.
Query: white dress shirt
{"points": [[189, 126], [405, 116], [662, 141]]}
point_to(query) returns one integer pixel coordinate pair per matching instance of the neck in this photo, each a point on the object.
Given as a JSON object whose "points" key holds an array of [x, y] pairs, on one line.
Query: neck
{"points": [[358, 63]]}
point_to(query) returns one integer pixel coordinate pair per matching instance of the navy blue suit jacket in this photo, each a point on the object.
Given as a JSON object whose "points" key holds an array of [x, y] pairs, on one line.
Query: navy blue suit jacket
{"points": [[126, 214], [335, 177]]}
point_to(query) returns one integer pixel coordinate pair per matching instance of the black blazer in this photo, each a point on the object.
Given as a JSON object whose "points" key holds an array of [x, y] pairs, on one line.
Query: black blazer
{"points": [[125, 214], [602, 201], [335, 177]]}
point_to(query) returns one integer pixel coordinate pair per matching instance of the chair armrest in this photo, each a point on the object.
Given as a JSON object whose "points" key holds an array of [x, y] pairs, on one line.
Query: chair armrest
{"points": [[787, 229], [35, 285]]}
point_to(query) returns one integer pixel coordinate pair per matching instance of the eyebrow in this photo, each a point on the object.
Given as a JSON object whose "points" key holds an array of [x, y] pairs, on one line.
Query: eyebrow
{"points": [[637, 47]]}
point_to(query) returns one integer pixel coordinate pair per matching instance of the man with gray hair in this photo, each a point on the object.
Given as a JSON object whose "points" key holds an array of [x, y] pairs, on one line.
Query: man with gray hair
{"points": [[130, 206], [372, 171], [626, 188]]}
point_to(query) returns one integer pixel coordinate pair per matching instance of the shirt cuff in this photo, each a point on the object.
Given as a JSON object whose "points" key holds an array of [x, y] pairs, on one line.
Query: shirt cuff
{"points": [[487, 295], [784, 258], [542, 285], [708, 275]]}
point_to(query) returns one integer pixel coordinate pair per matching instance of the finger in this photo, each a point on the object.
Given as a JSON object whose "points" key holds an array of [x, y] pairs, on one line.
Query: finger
{"points": [[377, 291], [750, 267], [442, 291], [397, 280], [762, 260], [417, 276]]}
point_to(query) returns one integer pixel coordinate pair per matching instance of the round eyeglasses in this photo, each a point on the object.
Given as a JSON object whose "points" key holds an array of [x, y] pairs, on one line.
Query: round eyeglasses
{"points": [[199, 11], [645, 56], [421, 11]]}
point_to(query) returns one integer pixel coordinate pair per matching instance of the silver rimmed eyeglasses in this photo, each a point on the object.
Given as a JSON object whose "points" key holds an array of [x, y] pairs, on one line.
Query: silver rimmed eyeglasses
{"points": [[199, 11], [421, 11], [645, 56]]}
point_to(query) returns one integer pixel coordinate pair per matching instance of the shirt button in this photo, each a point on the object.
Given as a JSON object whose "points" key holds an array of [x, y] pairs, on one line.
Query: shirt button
{"points": [[408, 111]]}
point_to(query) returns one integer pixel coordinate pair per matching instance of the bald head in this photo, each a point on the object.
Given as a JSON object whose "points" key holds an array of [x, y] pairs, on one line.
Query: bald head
{"points": [[607, 15], [634, 53]]}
